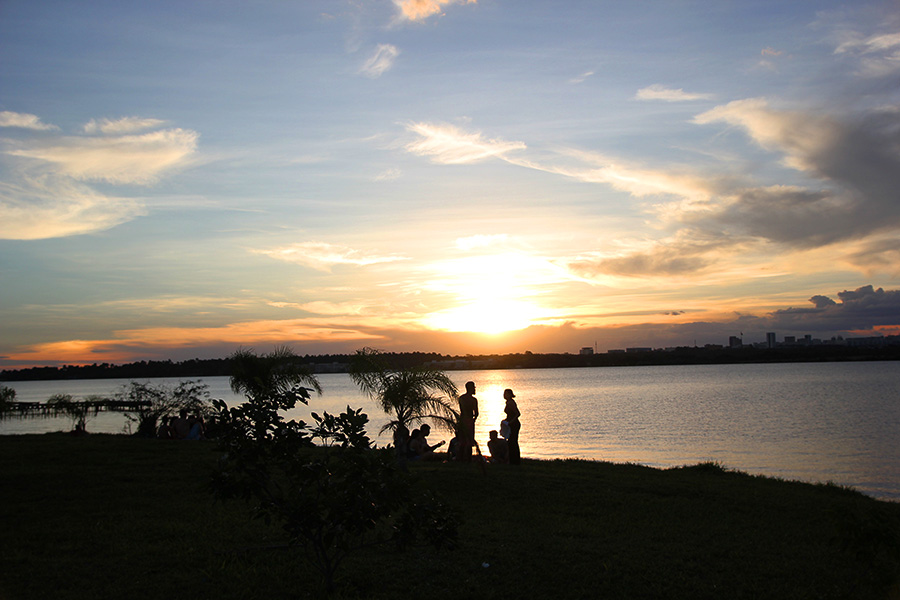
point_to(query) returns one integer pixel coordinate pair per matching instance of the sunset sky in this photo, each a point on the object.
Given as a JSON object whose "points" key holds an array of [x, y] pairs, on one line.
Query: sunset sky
{"points": [[181, 179]]}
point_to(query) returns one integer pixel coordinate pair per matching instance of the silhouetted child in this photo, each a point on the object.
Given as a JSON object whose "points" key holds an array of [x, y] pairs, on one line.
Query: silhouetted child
{"points": [[499, 448], [181, 427], [165, 430], [401, 441]]}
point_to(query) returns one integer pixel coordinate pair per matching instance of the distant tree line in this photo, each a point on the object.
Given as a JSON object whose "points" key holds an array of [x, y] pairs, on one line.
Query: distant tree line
{"points": [[197, 367], [324, 363]]}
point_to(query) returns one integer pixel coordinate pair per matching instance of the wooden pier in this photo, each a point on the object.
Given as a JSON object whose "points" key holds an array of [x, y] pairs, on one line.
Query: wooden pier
{"points": [[25, 410]]}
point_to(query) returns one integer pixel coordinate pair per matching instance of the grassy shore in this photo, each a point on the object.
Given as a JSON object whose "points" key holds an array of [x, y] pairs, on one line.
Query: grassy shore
{"points": [[107, 516]]}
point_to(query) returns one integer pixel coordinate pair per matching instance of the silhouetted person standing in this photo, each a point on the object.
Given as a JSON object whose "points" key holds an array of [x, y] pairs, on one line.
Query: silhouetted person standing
{"points": [[181, 426], [468, 412], [512, 417]]}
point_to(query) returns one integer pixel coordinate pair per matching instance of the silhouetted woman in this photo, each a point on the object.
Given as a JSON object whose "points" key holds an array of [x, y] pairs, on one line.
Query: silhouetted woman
{"points": [[512, 417]]}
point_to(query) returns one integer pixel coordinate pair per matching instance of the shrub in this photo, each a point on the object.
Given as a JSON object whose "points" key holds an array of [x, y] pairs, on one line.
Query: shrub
{"points": [[77, 411], [325, 483], [161, 400], [7, 396]]}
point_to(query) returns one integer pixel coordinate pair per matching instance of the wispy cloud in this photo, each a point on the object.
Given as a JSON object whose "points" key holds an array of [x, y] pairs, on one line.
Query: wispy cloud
{"points": [[447, 144], [24, 121], [380, 61], [121, 126], [44, 197], [323, 256], [480, 241], [450, 145], [50, 206], [389, 175], [870, 44], [130, 159], [799, 135], [878, 55], [582, 78], [660, 92], [878, 254], [687, 255], [637, 180], [769, 58], [322, 307], [419, 10]]}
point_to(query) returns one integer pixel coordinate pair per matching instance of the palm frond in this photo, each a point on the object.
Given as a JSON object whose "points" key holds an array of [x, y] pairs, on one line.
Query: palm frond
{"points": [[258, 374], [408, 395]]}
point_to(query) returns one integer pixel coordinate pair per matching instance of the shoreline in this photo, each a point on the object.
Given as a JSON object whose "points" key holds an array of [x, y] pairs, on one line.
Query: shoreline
{"points": [[713, 465], [338, 363]]}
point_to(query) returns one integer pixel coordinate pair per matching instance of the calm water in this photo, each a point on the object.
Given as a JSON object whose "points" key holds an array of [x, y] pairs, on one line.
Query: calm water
{"points": [[835, 422]]}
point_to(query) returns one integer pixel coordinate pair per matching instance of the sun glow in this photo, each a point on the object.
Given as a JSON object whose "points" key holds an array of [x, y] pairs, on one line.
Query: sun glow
{"points": [[485, 316], [492, 292]]}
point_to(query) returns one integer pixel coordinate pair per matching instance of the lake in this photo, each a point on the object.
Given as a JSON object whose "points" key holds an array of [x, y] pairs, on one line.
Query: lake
{"points": [[816, 422]]}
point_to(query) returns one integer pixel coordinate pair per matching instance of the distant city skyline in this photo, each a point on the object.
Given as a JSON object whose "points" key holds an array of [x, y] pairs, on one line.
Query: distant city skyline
{"points": [[182, 179], [770, 341]]}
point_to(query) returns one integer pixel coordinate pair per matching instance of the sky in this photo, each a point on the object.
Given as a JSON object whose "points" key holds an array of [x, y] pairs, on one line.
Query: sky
{"points": [[182, 179]]}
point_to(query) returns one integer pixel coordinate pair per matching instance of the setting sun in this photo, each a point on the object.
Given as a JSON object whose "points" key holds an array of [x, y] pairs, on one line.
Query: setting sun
{"points": [[492, 291], [485, 316]]}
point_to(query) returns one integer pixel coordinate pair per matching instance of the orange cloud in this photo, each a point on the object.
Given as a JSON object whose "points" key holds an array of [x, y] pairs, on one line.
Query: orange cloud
{"points": [[126, 343], [72, 352], [418, 10], [244, 333]]}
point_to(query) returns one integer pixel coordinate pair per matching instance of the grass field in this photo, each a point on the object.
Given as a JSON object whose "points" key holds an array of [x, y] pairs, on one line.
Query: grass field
{"points": [[105, 516]]}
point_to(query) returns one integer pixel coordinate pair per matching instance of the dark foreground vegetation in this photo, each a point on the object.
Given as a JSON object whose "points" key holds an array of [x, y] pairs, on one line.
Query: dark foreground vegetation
{"points": [[340, 363], [103, 516]]}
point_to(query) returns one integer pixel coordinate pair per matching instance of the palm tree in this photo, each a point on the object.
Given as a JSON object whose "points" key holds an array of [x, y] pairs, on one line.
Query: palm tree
{"points": [[408, 395], [272, 384], [257, 375]]}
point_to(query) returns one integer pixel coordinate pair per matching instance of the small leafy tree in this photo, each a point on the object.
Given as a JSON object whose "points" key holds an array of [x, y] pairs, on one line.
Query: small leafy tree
{"points": [[408, 395], [332, 492], [7, 397], [160, 400], [77, 411]]}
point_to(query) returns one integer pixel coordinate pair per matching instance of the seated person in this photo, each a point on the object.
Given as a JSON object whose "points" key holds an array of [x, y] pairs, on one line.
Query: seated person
{"points": [[198, 429], [426, 430], [401, 439], [165, 431], [181, 426], [499, 448], [418, 445], [453, 448], [415, 445]]}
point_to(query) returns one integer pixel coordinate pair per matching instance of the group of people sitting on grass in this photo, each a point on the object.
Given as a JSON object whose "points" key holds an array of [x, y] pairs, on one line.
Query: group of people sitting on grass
{"points": [[413, 446], [182, 427]]}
